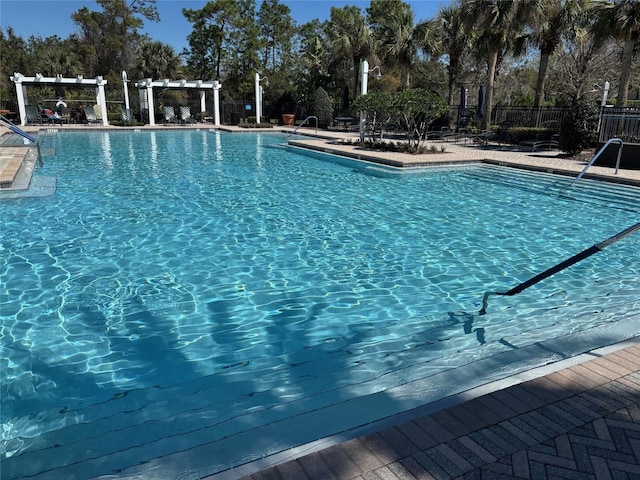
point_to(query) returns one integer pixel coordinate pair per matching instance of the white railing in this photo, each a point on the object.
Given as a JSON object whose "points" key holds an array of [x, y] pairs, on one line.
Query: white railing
{"points": [[595, 157], [306, 120]]}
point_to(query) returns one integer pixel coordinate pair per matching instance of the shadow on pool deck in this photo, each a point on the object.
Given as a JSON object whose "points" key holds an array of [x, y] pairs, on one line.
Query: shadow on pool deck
{"points": [[579, 420]]}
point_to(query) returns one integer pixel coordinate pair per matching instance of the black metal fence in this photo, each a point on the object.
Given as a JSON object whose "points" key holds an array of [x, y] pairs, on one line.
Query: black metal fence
{"points": [[516, 116], [535, 117], [620, 122]]}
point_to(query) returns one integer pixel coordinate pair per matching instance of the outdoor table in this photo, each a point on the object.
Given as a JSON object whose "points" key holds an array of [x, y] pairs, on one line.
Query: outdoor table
{"points": [[345, 121]]}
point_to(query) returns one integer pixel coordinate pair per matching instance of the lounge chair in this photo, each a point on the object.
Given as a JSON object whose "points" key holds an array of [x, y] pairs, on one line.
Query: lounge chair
{"points": [[170, 115], [482, 137], [127, 116], [185, 115], [90, 115], [33, 114], [442, 134], [547, 140], [51, 117]]}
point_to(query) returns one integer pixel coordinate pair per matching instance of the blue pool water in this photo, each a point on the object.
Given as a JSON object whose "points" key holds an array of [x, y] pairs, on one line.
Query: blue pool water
{"points": [[190, 301]]}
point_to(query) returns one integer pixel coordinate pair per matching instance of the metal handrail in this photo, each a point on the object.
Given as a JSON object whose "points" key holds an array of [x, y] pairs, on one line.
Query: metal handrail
{"points": [[303, 122], [11, 126], [595, 157]]}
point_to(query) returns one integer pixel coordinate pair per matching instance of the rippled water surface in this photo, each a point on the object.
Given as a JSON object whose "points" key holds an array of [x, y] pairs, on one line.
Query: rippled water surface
{"points": [[186, 289]]}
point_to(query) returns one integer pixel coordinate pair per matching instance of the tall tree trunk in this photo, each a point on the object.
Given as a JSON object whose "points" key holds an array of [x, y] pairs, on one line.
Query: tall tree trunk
{"points": [[488, 101], [625, 74], [218, 61], [407, 77], [356, 75], [542, 75]]}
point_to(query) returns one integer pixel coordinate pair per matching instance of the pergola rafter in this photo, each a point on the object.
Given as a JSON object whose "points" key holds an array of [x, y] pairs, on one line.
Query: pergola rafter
{"points": [[147, 85], [39, 80]]}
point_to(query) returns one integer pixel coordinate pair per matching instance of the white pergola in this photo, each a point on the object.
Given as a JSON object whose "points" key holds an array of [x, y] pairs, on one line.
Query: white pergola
{"points": [[145, 88], [21, 89]]}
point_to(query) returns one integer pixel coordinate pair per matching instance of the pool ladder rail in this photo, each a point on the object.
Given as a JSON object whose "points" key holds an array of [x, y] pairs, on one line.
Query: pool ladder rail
{"points": [[11, 126], [306, 120], [561, 266], [595, 157]]}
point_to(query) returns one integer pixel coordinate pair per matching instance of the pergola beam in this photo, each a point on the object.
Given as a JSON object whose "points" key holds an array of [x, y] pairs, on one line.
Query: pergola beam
{"points": [[147, 85], [39, 80]]}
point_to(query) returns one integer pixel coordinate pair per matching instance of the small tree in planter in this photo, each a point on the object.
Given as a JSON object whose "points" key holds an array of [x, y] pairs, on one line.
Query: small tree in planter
{"points": [[417, 109], [378, 108]]}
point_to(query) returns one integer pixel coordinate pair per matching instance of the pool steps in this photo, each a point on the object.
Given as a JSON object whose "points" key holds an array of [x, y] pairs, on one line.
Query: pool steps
{"points": [[619, 196]]}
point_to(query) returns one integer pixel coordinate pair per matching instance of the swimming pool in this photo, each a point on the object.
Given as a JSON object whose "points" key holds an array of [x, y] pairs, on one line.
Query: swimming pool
{"points": [[190, 301]]}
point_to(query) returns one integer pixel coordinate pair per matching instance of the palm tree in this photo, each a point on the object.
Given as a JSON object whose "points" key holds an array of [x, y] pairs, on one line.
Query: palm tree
{"points": [[497, 23], [157, 60], [554, 19], [399, 38], [350, 37], [621, 21], [454, 41]]}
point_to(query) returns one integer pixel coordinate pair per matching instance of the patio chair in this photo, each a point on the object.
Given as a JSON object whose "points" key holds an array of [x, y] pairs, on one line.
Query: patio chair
{"points": [[442, 134], [501, 135], [127, 116], [548, 139], [90, 114], [51, 117], [68, 115], [185, 115], [170, 115], [33, 114]]}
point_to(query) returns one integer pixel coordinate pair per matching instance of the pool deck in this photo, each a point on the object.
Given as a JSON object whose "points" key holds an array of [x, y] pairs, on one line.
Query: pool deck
{"points": [[578, 418]]}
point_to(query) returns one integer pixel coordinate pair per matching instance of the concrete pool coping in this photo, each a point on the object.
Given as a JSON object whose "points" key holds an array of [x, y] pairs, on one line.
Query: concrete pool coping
{"points": [[580, 416]]}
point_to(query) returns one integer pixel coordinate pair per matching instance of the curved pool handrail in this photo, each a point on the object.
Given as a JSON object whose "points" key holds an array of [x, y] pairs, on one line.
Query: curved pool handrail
{"points": [[11, 126], [303, 122], [595, 157]]}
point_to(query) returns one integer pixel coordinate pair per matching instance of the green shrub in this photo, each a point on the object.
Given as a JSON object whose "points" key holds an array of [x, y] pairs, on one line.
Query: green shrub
{"points": [[322, 107], [520, 134], [379, 112], [578, 129]]}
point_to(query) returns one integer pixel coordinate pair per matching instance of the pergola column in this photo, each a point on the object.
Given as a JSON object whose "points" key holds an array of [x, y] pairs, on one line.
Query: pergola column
{"points": [[152, 109], [102, 100], [203, 102], [216, 103], [21, 95]]}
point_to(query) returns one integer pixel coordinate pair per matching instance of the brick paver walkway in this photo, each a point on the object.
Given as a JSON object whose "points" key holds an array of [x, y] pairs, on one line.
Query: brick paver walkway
{"points": [[582, 422]]}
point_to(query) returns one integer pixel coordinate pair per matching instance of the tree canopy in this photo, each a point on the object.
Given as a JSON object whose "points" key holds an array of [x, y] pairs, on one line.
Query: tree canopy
{"points": [[511, 48]]}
